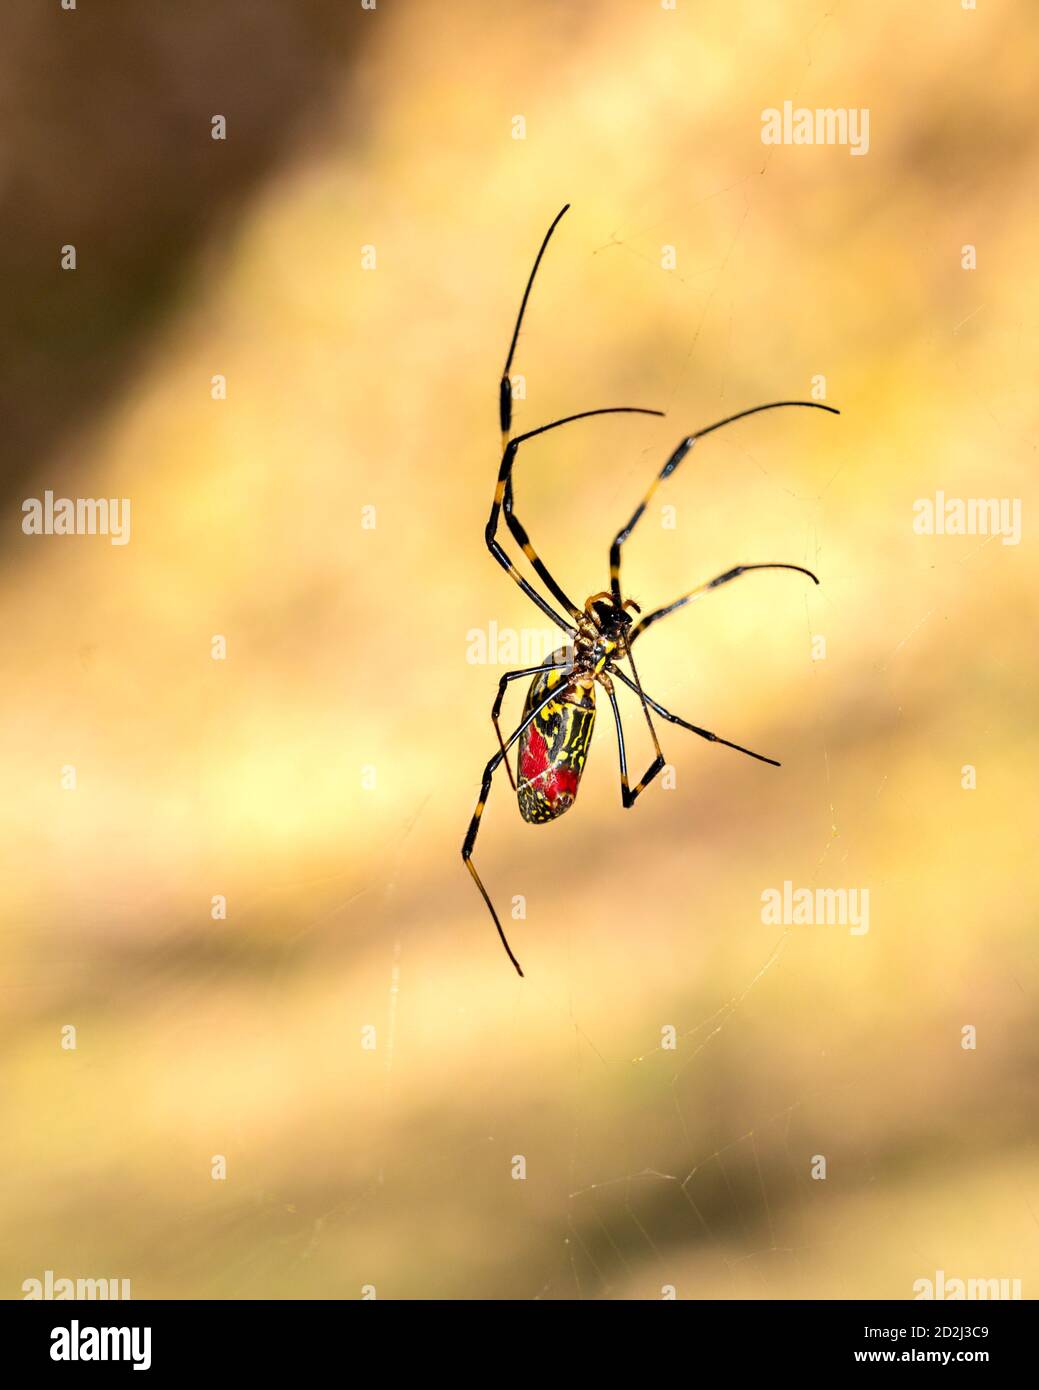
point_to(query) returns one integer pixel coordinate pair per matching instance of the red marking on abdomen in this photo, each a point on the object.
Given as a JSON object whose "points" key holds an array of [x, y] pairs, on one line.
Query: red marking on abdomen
{"points": [[533, 755], [534, 768], [563, 781]]}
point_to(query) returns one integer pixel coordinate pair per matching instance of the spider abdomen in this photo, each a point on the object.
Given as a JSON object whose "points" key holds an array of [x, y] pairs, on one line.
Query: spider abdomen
{"points": [[554, 746]]}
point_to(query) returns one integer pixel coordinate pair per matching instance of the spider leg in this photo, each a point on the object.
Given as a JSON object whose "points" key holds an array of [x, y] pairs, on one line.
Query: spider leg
{"points": [[503, 498], [521, 538], [474, 824], [628, 796], [504, 487], [496, 709], [693, 728], [669, 467], [702, 589], [505, 385]]}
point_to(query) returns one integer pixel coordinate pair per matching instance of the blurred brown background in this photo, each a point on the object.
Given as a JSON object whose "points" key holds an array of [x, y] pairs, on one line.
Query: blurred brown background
{"points": [[348, 906]]}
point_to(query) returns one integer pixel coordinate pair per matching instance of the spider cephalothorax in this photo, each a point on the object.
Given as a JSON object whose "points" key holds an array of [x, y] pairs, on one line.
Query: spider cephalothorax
{"points": [[602, 631], [559, 711]]}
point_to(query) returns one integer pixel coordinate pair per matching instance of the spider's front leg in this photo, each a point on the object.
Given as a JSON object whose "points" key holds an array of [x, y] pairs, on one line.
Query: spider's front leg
{"points": [[502, 503], [716, 583]]}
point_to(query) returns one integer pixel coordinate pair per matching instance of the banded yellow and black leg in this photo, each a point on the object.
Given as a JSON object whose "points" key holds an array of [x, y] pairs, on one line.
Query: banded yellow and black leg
{"points": [[521, 538], [474, 824], [715, 583], [629, 795], [505, 385], [510, 569], [693, 728], [504, 484], [502, 687], [676, 458], [637, 687]]}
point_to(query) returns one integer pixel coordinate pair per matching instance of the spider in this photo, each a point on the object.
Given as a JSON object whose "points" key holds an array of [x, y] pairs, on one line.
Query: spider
{"points": [[559, 711]]}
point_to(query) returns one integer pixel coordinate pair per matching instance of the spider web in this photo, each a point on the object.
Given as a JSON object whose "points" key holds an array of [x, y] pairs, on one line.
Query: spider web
{"points": [[722, 1199], [703, 1183], [739, 1206], [625, 1233]]}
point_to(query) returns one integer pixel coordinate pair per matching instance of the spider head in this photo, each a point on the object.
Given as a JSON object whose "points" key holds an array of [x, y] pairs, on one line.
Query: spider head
{"points": [[612, 621]]}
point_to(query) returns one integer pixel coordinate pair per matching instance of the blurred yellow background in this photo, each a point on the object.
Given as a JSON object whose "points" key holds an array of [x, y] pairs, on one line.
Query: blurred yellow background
{"points": [[251, 777]]}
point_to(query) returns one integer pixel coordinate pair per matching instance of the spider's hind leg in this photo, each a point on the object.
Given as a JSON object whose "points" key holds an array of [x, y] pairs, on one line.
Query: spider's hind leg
{"points": [[629, 795], [496, 708], [695, 728], [474, 825]]}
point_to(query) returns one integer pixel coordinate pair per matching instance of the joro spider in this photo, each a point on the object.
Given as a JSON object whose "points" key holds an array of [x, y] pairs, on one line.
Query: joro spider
{"points": [[559, 710]]}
